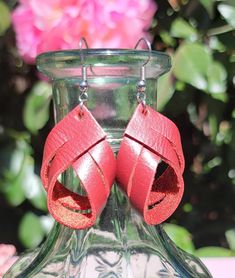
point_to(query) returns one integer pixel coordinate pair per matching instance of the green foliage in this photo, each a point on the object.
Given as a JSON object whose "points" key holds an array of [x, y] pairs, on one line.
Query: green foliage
{"points": [[180, 236], [5, 19], [217, 77], [184, 240], [36, 109], [182, 29], [14, 157], [214, 252], [191, 63], [20, 184], [30, 231], [200, 37], [228, 12], [18, 180]]}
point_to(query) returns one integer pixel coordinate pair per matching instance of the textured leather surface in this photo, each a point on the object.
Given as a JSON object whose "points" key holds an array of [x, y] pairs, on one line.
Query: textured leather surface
{"points": [[78, 141], [149, 139]]}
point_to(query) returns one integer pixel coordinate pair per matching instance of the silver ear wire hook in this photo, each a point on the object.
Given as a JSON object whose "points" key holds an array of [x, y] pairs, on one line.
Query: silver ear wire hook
{"points": [[149, 48], [83, 86], [141, 84], [81, 41]]}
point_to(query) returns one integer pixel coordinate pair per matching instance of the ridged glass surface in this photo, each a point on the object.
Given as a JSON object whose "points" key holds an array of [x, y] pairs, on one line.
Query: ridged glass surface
{"points": [[120, 245]]}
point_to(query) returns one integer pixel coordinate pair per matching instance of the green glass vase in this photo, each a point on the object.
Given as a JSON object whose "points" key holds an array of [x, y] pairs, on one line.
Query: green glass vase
{"points": [[120, 244]]}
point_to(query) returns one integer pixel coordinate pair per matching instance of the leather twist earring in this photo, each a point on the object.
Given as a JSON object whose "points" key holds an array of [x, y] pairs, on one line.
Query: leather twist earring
{"points": [[78, 141], [149, 139]]}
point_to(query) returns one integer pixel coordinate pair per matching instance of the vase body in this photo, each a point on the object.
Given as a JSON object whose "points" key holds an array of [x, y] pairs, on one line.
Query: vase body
{"points": [[120, 244]]}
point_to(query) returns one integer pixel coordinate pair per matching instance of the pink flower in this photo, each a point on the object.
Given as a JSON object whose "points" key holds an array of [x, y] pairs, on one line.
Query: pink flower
{"points": [[7, 257], [44, 25]]}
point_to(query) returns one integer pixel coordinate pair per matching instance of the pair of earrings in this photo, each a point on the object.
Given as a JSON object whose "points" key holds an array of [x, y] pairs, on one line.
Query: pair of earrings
{"points": [[78, 142]]}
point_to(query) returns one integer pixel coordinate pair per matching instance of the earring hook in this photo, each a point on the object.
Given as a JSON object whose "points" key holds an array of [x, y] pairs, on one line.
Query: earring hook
{"points": [[149, 49], [81, 41]]}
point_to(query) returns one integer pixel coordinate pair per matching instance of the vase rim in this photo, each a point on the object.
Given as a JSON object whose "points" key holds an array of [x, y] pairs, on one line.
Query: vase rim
{"points": [[62, 63]]}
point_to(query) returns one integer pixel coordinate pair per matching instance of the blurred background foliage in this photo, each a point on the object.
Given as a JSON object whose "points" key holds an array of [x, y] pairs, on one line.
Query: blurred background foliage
{"points": [[198, 94]]}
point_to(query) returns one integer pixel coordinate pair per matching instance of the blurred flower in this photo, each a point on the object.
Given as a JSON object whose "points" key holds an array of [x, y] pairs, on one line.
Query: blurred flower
{"points": [[103, 111], [59, 24], [7, 257]]}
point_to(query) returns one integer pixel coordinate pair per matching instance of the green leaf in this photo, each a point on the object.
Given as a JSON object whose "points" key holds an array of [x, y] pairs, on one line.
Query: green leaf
{"points": [[167, 39], [209, 6], [36, 109], [12, 157], [228, 12], [213, 252], [32, 186], [182, 29], [30, 230], [18, 180], [180, 236], [191, 63], [5, 18], [13, 192], [230, 236], [216, 44], [165, 90], [13, 173], [11, 160], [217, 76]]}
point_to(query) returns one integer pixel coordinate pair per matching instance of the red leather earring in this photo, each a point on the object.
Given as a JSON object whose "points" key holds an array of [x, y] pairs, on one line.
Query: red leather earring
{"points": [[149, 139], [78, 141]]}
